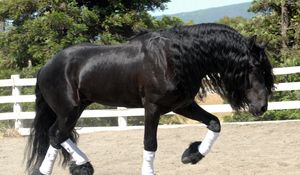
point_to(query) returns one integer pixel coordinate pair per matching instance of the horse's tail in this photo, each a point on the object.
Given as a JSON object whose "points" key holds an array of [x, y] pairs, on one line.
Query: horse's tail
{"points": [[38, 141]]}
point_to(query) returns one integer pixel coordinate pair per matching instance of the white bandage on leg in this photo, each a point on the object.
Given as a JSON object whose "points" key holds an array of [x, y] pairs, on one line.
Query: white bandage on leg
{"points": [[79, 157], [207, 142], [48, 162], [148, 168]]}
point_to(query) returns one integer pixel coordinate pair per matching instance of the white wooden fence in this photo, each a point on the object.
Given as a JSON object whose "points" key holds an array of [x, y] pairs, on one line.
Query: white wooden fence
{"points": [[16, 99]]}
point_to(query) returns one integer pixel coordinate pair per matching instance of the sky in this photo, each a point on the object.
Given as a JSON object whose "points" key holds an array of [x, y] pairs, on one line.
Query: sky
{"points": [[177, 6]]}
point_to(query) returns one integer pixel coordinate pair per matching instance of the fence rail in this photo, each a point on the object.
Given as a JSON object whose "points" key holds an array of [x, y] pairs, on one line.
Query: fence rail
{"points": [[16, 99]]}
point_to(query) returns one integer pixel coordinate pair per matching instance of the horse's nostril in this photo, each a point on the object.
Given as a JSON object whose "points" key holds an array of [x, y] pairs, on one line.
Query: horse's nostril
{"points": [[264, 108]]}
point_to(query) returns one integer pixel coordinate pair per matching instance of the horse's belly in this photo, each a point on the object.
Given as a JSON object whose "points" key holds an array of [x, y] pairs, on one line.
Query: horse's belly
{"points": [[121, 103], [123, 100], [113, 94]]}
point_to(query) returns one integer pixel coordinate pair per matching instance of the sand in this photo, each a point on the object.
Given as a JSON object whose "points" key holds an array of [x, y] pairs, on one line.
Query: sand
{"points": [[249, 149]]}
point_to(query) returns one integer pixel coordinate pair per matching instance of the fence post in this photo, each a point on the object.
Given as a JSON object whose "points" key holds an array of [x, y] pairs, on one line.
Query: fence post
{"points": [[122, 120], [16, 92]]}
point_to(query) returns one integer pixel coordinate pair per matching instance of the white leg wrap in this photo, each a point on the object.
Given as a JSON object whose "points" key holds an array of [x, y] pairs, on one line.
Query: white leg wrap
{"points": [[148, 168], [207, 142], [48, 162], [79, 157]]}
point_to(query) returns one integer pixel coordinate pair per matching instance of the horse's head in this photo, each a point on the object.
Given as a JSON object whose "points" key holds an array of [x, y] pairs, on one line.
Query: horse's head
{"points": [[248, 79], [241, 71], [257, 93], [260, 78]]}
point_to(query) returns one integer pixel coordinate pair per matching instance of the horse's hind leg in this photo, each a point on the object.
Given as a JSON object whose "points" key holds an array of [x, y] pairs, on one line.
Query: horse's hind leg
{"points": [[65, 126], [60, 136], [198, 150]]}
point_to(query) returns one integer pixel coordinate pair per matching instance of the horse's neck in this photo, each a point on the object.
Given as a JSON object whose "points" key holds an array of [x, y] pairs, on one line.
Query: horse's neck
{"points": [[199, 57]]}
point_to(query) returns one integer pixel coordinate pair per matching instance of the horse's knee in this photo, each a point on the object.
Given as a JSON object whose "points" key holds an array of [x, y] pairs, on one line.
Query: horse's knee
{"points": [[56, 138], [214, 125], [58, 133]]}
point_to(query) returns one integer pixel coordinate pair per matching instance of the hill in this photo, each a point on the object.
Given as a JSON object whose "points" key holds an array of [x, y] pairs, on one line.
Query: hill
{"points": [[215, 14]]}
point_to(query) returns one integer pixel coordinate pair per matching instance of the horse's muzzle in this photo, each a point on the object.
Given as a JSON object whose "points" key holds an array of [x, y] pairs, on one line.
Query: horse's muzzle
{"points": [[258, 110]]}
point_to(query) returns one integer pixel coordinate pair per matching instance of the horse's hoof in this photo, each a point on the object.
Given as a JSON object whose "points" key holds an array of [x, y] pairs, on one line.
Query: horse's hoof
{"points": [[36, 172], [84, 169], [191, 154]]}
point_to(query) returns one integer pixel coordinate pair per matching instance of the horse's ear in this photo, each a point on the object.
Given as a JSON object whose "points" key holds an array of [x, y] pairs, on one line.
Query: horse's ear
{"points": [[252, 41]]}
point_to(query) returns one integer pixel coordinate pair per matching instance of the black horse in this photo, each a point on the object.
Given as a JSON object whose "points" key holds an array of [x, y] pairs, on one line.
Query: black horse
{"points": [[161, 71]]}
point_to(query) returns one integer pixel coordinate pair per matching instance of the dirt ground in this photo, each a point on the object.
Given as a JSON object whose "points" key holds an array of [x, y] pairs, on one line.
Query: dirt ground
{"points": [[249, 149]]}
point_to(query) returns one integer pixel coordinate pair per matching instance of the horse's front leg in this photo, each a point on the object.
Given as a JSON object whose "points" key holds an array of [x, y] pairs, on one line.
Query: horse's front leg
{"points": [[197, 150], [150, 138]]}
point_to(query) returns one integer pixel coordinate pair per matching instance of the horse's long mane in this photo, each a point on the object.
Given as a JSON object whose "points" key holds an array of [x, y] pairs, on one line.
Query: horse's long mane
{"points": [[221, 56]]}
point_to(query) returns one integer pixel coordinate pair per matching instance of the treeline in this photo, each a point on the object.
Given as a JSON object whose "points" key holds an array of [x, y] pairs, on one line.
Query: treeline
{"points": [[41, 28]]}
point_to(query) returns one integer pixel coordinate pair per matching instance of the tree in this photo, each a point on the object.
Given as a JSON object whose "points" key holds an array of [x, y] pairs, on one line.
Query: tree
{"points": [[277, 22], [285, 23], [41, 28], [286, 15]]}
